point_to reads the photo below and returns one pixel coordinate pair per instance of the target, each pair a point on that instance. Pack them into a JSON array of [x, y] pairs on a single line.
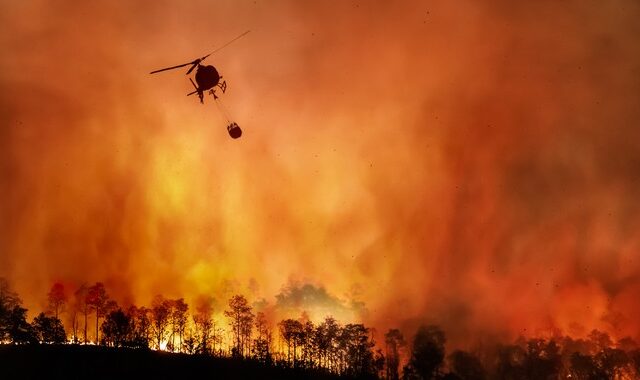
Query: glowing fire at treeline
[[345, 349], [472, 165]]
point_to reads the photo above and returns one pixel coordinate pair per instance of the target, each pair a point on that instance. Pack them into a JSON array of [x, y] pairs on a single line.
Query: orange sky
[[472, 164]]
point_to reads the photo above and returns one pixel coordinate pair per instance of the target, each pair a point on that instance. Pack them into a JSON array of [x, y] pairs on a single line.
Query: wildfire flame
[[471, 165]]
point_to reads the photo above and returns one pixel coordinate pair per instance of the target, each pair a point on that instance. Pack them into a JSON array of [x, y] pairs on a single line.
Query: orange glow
[[472, 165]]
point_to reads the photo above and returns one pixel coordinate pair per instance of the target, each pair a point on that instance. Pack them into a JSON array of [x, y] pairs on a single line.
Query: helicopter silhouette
[[208, 79]]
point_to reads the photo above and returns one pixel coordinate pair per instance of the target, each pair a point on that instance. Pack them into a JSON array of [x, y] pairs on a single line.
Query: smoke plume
[[472, 164]]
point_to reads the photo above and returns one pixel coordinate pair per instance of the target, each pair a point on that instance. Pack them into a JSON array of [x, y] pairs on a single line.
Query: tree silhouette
[[613, 362], [8, 301], [74, 309], [241, 321], [262, 344], [57, 298], [20, 331], [378, 364], [326, 342], [290, 330], [97, 300], [584, 367], [466, 366], [510, 362], [529, 359], [427, 353], [117, 328], [49, 329], [394, 342], [542, 359], [160, 312], [82, 295], [246, 331], [599, 340], [171, 325], [179, 318], [356, 346], [305, 340], [141, 326], [13, 317], [190, 343], [329, 347], [634, 358], [203, 319]]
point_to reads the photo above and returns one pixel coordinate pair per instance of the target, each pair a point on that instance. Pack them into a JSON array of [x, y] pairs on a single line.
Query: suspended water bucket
[[234, 130]]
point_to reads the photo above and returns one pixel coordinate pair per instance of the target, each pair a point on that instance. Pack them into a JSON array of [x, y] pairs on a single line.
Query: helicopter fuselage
[[207, 77]]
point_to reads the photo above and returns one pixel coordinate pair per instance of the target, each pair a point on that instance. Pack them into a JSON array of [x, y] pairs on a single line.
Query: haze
[[471, 164]]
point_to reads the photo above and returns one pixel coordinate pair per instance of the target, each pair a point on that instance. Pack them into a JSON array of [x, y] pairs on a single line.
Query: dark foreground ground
[[91, 362]]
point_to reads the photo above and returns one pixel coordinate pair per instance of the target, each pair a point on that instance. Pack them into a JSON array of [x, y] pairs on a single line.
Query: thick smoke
[[462, 163]]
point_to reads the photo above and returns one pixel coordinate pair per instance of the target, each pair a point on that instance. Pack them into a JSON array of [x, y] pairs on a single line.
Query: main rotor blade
[[225, 45], [173, 67], [196, 63]]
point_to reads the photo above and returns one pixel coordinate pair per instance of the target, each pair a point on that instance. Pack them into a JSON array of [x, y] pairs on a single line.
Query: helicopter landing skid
[[223, 86]]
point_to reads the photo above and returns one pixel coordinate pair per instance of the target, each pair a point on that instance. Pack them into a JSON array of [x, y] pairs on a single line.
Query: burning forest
[[463, 174], [326, 348]]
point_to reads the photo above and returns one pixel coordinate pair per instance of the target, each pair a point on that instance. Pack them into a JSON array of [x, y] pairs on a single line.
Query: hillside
[[96, 362]]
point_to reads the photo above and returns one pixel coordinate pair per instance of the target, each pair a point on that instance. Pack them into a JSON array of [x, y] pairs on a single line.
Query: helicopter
[[208, 79]]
